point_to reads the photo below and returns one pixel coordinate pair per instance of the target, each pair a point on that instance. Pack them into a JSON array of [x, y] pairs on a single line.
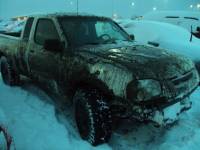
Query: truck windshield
[[81, 31]]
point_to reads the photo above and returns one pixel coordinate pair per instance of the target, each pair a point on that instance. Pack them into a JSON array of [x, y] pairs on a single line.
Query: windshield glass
[[86, 31]]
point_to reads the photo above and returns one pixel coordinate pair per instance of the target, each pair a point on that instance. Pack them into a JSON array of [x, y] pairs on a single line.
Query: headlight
[[147, 89]]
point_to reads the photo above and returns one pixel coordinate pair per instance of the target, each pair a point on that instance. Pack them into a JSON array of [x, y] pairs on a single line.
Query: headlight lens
[[147, 89]]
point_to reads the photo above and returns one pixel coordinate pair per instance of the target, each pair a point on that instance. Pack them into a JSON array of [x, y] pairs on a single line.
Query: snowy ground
[[36, 124]]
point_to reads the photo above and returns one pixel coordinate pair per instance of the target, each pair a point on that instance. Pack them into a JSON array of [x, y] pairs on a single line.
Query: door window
[[45, 30]]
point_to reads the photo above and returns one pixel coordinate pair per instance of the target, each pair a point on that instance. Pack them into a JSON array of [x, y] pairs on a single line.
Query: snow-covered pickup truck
[[176, 39], [97, 65]]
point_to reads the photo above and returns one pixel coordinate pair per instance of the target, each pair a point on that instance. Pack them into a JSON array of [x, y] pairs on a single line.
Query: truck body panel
[[135, 77]]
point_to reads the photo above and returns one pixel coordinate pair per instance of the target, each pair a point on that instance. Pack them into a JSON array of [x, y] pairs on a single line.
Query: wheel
[[93, 116], [9, 74]]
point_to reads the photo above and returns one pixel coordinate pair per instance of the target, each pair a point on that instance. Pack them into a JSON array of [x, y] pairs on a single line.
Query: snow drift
[[34, 123]]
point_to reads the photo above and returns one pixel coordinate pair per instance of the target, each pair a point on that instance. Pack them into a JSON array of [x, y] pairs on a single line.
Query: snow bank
[[31, 119], [33, 124]]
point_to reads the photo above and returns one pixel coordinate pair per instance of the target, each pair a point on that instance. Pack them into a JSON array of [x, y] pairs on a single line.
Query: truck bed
[[8, 42], [15, 34]]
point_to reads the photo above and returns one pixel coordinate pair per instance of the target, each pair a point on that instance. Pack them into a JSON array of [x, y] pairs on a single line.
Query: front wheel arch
[[92, 84]]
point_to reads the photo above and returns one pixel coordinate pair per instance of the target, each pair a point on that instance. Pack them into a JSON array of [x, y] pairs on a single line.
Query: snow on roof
[[80, 14], [163, 14], [189, 20]]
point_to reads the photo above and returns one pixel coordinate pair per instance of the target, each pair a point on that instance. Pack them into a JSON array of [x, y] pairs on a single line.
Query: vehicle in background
[[3, 25], [94, 64], [189, 20], [14, 25], [164, 35]]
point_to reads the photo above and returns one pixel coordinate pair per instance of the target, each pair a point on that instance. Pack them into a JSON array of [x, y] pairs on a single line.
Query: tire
[[9, 75], [93, 116]]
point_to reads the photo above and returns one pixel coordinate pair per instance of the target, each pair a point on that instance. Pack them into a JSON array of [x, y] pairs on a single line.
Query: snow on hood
[[142, 61]]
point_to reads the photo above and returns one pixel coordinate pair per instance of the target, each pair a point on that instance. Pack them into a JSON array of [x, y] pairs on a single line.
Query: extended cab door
[[23, 46], [44, 64]]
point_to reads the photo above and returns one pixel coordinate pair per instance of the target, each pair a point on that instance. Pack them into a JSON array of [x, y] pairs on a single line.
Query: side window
[[27, 29], [45, 30]]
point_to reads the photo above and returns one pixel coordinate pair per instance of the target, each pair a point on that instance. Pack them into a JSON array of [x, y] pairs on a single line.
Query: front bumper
[[175, 91], [178, 88], [170, 114]]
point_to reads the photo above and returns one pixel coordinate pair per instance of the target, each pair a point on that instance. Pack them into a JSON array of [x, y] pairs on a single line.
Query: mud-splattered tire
[[93, 116], [9, 75]]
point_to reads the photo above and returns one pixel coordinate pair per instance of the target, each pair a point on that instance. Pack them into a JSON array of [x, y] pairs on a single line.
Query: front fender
[[115, 77]]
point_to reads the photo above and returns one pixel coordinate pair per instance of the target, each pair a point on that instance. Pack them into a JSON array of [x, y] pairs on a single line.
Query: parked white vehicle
[[11, 25], [3, 25], [185, 19], [164, 35]]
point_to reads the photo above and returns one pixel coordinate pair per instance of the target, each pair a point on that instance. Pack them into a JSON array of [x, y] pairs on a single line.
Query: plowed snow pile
[[31, 119]]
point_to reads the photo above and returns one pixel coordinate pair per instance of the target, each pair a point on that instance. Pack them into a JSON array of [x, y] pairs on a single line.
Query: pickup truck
[[100, 68]]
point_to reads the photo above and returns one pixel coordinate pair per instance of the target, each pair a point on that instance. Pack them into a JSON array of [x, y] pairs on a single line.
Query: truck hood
[[144, 62]]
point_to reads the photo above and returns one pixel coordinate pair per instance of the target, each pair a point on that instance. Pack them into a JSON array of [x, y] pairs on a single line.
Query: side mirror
[[132, 37], [54, 45]]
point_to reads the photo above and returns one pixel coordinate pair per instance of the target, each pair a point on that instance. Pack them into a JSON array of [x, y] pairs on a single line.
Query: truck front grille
[[185, 77], [178, 87]]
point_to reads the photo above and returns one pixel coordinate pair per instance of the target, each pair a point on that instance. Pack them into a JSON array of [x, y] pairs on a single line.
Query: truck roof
[[67, 14]]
